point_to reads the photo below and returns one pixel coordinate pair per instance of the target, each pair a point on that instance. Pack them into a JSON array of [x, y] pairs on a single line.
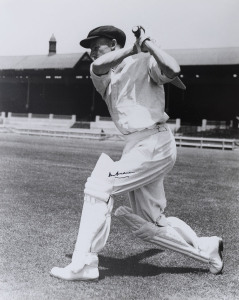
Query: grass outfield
[[40, 208]]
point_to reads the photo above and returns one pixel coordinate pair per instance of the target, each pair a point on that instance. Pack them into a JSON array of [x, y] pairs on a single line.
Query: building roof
[[185, 57], [211, 56], [56, 61]]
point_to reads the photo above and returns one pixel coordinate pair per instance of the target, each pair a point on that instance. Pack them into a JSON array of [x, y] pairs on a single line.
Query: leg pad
[[166, 237], [99, 185]]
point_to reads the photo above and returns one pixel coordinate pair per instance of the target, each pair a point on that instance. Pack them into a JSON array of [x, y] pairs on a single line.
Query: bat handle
[[137, 31]]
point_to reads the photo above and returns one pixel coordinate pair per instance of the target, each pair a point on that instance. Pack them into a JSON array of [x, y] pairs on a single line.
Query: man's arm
[[104, 63], [166, 63]]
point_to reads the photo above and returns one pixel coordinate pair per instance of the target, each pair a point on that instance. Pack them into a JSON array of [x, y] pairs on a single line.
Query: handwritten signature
[[117, 174]]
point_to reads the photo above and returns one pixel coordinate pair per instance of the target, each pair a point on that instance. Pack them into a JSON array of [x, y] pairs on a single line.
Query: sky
[[27, 25]]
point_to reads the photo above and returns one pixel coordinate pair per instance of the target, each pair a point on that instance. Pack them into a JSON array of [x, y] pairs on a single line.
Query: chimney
[[52, 45]]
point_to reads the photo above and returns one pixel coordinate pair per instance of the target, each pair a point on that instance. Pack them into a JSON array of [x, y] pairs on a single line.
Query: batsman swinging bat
[[137, 31]]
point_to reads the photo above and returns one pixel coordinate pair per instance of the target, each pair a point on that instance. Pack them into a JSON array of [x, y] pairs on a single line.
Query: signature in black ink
[[120, 174]]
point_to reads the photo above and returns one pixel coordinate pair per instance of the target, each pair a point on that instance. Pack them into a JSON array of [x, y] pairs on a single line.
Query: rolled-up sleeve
[[156, 73], [100, 82]]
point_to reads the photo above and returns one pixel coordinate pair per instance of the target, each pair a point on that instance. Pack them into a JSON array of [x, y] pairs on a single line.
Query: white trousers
[[147, 157]]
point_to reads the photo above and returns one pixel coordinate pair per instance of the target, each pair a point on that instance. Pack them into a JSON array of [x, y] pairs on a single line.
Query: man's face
[[99, 47]]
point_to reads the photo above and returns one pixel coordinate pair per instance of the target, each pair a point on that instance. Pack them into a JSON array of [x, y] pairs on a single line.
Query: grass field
[[42, 180]]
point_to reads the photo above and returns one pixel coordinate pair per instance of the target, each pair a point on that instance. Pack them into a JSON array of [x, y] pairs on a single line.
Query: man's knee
[[99, 185]]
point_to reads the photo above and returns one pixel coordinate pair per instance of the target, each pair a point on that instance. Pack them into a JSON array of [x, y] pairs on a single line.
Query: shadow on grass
[[131, 266]]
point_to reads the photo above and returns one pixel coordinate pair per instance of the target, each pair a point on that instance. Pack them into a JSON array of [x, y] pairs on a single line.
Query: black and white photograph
[[119, 150]]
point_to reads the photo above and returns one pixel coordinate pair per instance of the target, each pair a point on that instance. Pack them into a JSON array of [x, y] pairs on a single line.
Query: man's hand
[[166, 63], [141, 37]]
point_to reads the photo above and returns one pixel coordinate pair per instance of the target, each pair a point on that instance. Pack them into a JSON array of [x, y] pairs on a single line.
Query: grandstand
[[60, 84]]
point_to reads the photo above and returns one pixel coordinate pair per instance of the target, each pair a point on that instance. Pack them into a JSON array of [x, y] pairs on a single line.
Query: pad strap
[[100, 189]]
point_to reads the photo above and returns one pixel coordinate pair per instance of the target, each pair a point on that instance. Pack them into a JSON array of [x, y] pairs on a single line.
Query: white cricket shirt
[[134, 93]]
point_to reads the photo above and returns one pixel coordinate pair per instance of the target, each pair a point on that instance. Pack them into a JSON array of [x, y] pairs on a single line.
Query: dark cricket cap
[[107, 31]]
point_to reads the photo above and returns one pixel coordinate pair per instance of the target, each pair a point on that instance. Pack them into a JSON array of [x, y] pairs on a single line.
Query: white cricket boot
[[213, 246], [89, 272]]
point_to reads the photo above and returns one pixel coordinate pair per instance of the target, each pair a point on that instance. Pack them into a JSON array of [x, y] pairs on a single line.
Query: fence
[[223, 144], [16, 119], [210, 124], [105, 125]]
